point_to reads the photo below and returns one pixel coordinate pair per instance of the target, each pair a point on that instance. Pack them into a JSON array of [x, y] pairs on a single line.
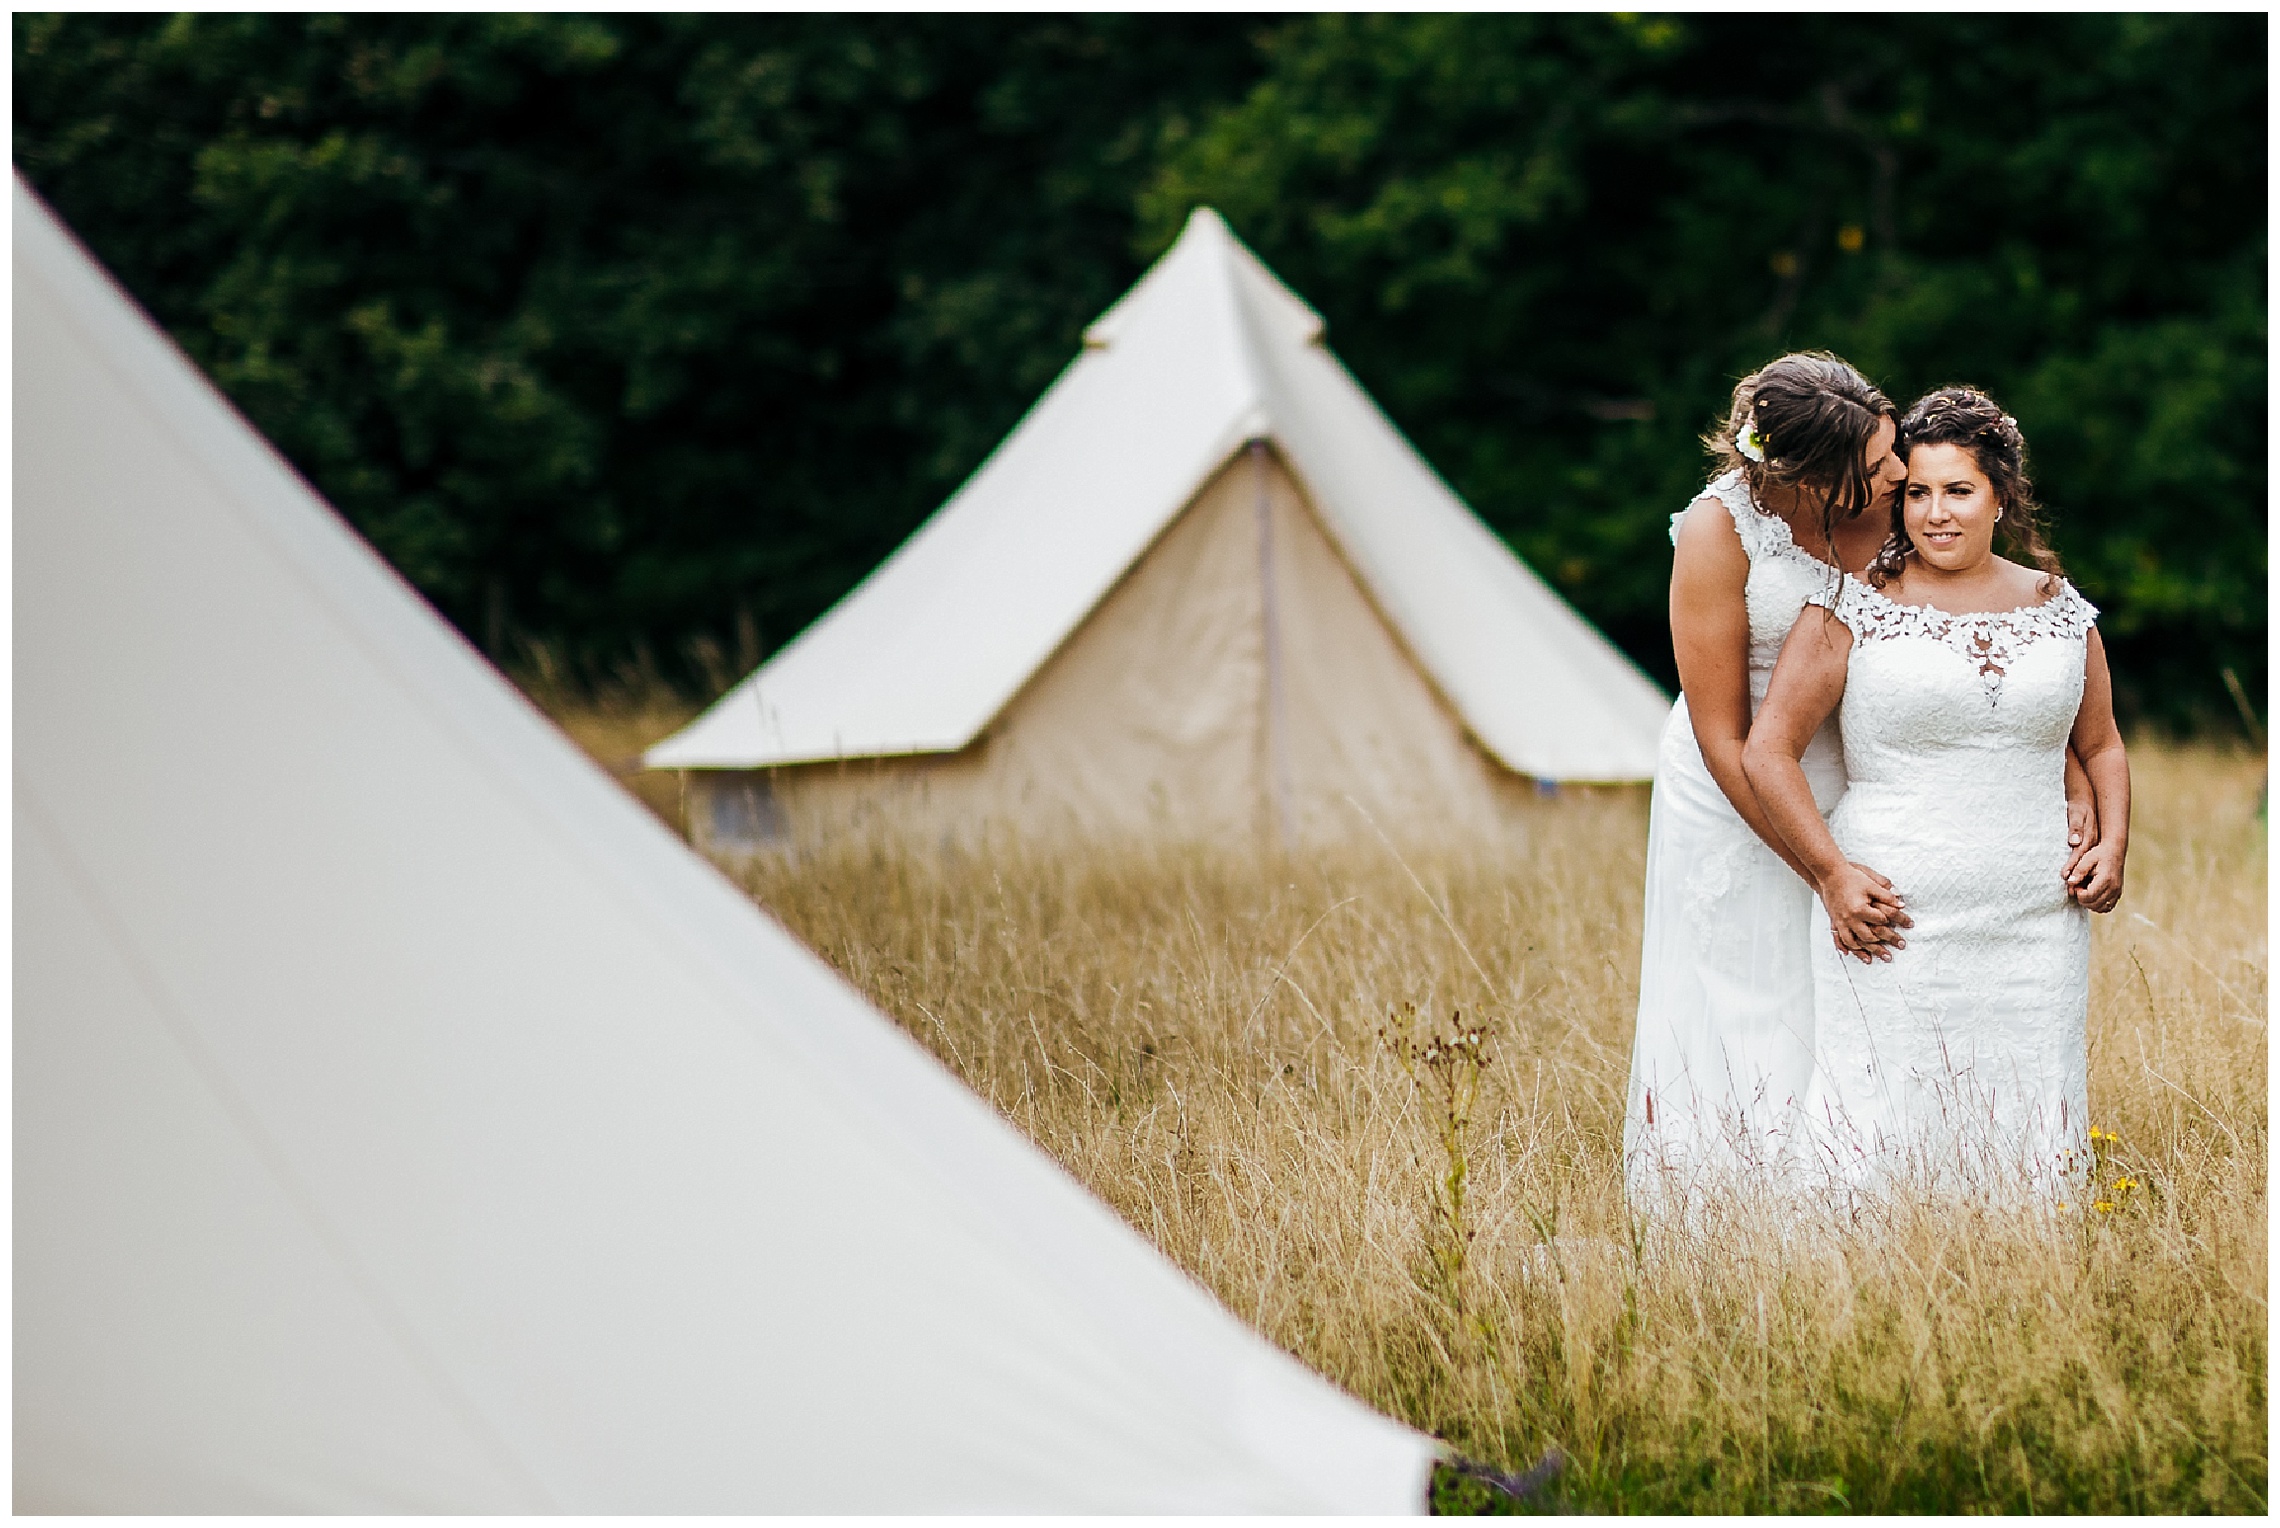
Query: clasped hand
[[2094, 877], [1865, 914]]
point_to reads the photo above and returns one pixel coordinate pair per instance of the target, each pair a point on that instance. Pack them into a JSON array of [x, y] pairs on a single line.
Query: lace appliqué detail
[[1709, 881], [1990, 641]]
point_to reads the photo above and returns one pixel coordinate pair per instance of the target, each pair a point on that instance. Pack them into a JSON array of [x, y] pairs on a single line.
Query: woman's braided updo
[[1813, 416], [1967, 417]]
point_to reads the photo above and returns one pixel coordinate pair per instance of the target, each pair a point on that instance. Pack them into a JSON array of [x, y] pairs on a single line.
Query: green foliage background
[[647, 336]]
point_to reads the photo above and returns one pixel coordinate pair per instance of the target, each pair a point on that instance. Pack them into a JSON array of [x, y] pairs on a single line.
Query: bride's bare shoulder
[[2025, 585], [1706, 525]]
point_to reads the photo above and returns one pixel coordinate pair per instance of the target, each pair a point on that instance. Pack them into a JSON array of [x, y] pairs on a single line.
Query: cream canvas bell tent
[[1205, 588], [405, 1121]]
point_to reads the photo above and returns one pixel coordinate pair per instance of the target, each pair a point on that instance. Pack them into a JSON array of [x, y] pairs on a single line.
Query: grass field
[[1203, 1038]]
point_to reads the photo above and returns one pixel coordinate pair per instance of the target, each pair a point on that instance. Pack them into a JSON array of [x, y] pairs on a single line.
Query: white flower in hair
[[1748, 441]]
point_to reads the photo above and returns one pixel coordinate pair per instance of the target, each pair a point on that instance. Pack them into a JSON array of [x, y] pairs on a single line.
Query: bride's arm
[[2081, 808], [1864, 913], [1710, 635], [2094, 877]]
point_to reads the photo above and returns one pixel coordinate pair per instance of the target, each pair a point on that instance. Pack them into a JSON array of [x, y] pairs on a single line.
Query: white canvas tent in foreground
[[405, 1122], [1205, 587]]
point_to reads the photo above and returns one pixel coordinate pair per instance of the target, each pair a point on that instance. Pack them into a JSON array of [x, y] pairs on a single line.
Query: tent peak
[[1206, 240]]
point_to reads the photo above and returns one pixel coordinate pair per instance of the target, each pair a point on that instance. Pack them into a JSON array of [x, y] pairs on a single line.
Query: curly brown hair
[[1815, 415], [1967, 417]]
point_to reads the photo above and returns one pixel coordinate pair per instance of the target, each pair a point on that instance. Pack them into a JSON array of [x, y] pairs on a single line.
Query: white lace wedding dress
[[1724, 1045], [1960, 1065]]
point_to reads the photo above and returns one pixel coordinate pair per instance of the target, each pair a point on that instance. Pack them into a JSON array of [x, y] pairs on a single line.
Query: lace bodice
[[1923, 685], [1783, 579]]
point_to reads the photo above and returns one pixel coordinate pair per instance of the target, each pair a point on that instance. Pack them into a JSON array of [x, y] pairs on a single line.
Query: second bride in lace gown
[[1724, 1045], [1958, 678]]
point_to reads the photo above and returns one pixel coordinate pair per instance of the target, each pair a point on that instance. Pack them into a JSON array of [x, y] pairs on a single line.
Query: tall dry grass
[[1197, 1034]]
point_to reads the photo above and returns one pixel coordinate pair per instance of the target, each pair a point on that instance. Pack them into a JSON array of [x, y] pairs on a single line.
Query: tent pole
[[1278, 733]]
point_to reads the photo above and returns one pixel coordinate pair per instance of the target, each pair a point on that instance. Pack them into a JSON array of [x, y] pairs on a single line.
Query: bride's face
[[1884, 469], [1949, 508]]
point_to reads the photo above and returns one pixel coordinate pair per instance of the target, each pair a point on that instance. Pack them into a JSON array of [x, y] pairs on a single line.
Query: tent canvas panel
[[1162, 716], [344, 1419], [1364, 719], [1152, 706], [254, 768]]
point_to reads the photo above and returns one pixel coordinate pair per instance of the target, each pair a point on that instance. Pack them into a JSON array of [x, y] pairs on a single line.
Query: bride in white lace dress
[[1724, 1046], [1958, 678]]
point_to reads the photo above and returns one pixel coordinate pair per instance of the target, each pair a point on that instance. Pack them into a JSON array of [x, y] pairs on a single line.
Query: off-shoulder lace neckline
[[1990, 639], [1929, 610]]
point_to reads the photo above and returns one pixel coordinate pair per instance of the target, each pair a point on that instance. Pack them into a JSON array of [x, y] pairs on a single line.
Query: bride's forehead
[[1943, 462]]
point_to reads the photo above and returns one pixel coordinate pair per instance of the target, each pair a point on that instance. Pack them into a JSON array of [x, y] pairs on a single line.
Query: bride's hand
[[2094, 878], [1865, 914], [2081, 818]]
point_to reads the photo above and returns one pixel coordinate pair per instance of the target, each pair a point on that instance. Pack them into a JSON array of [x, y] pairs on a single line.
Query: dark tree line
[[653, 334]]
